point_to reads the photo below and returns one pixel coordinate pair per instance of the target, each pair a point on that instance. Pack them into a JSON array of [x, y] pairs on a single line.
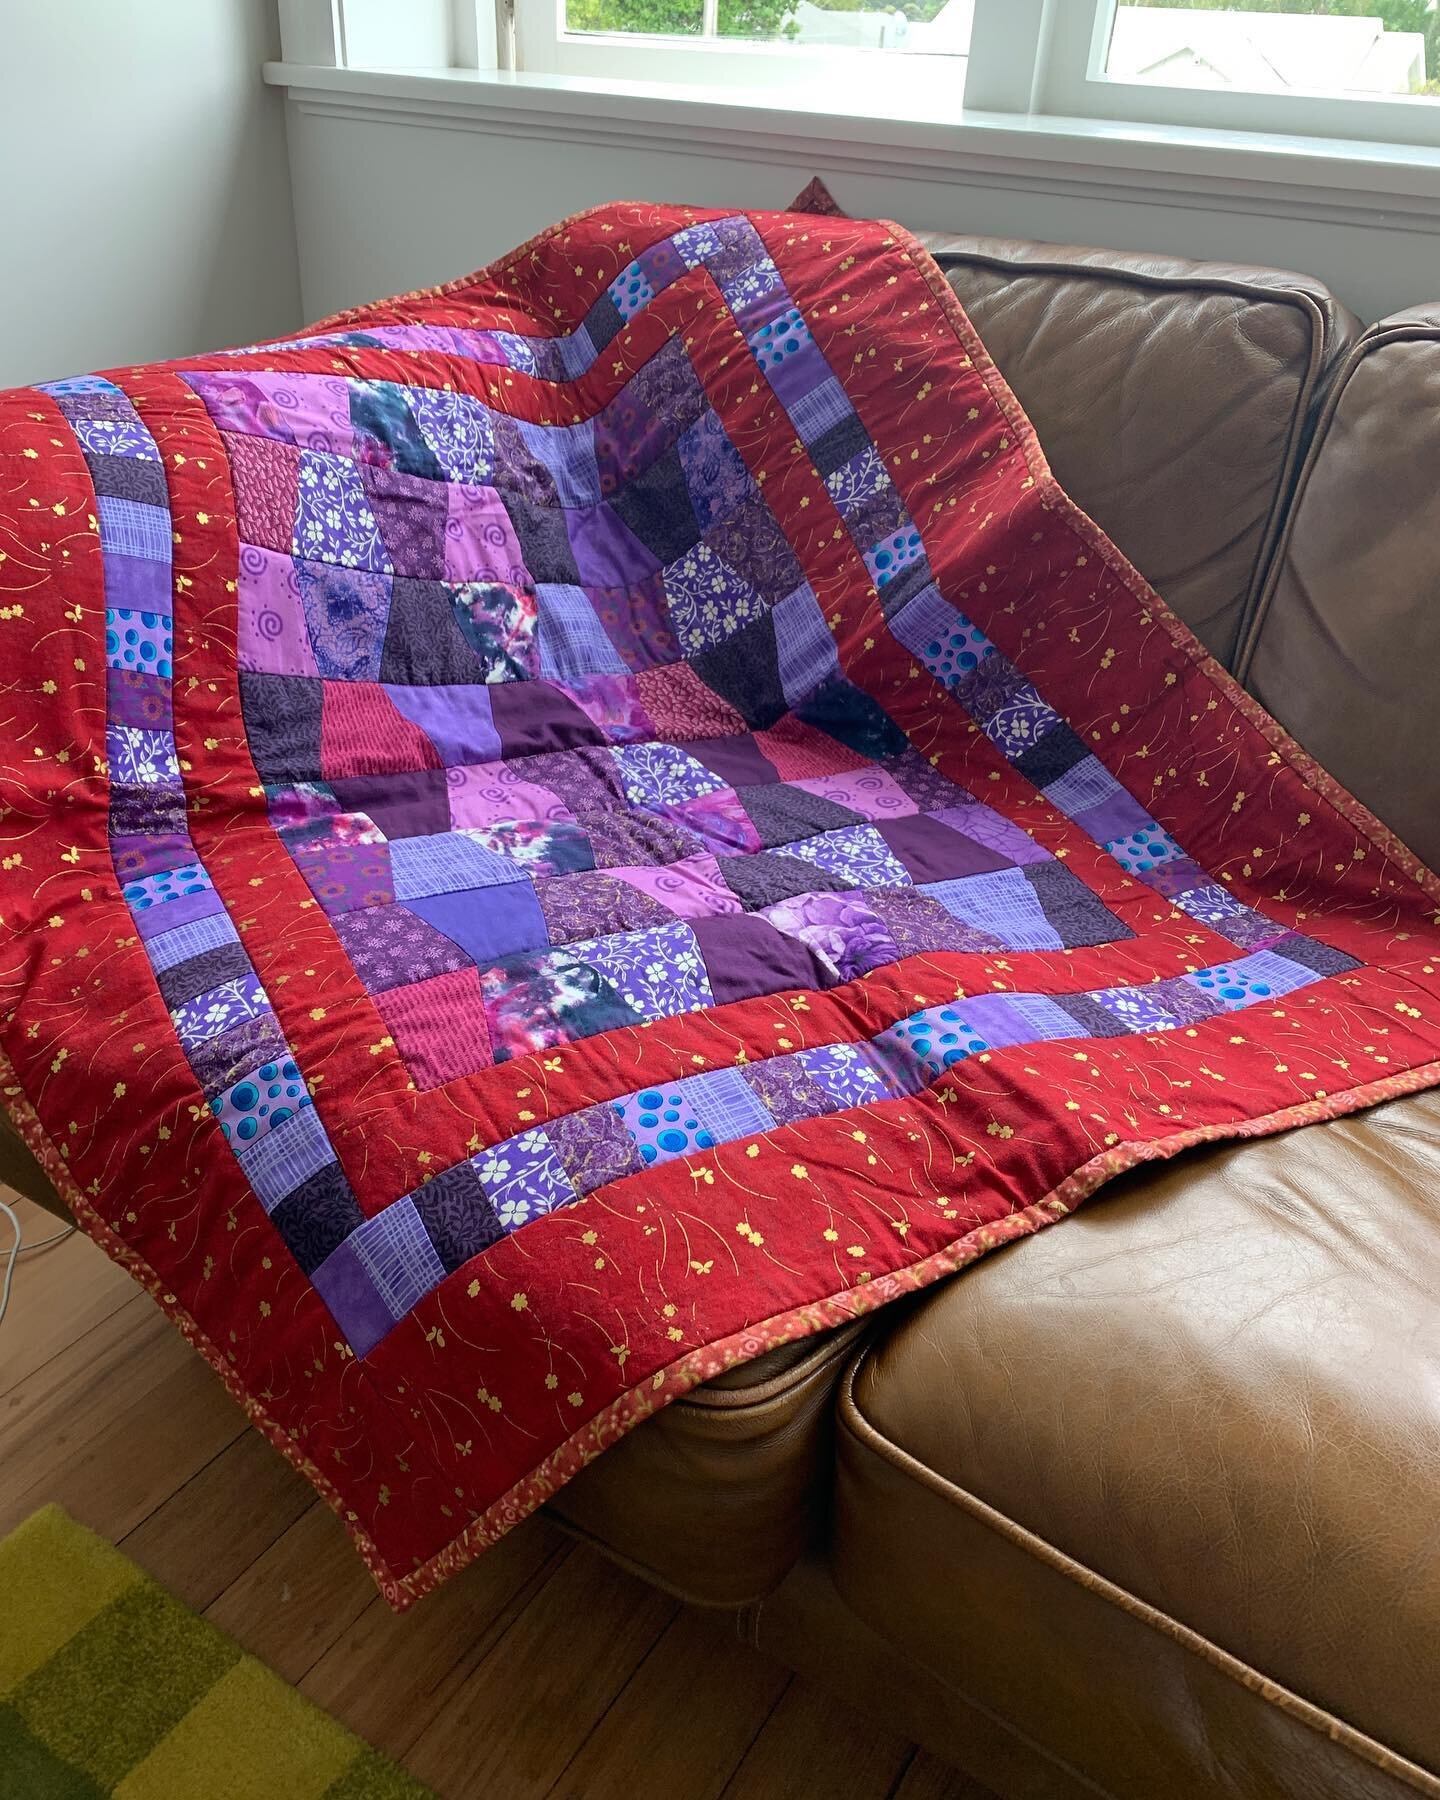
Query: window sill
[[1324, 178]]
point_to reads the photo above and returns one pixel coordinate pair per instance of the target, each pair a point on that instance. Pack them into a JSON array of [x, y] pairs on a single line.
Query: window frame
[[1073, 82], [1041, 59]]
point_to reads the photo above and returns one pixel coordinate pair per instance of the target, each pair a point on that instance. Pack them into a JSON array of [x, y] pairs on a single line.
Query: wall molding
[[1393, 187]]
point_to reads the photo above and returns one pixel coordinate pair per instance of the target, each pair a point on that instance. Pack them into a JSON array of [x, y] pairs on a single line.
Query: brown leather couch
[[1147, 1506]]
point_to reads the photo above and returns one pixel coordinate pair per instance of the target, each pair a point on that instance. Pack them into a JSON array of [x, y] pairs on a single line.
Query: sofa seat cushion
[[715, 1497], [1207, 1410]]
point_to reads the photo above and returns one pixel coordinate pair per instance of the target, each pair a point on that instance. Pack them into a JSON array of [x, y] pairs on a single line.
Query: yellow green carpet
[[108, 1685]]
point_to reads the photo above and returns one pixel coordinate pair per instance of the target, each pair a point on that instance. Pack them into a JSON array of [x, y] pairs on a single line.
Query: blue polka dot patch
[[259, 1102], [139, 641]]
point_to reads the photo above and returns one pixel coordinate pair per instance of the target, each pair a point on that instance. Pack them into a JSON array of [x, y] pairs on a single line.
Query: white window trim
[[1343, 183], [1029, 109]]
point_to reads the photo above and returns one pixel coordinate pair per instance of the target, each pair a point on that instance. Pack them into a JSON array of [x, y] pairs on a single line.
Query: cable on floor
[[21, 1248]]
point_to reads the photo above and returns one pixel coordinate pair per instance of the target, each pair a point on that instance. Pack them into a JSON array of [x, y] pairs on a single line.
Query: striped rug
[[109, 1686]]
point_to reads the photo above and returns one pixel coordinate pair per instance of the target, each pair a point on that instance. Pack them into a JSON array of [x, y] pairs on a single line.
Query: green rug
[[108, 1685]]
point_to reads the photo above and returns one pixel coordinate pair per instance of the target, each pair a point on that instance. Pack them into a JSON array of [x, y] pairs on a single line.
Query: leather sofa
[[1147, 1506]]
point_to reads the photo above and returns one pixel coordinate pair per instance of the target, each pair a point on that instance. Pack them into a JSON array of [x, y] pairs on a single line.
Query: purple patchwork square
[[348, 1289], [1116, 817], [715, 472], [1003, 904], [662, 264], [848, 1073], [391, 945], [137, 584], [995, 832], [799, 374], [858, 854], [1018, 1018], [345, 612], [708, 600], [412, 514], [659, 972], [396, 1253], [746, 955], [804, 645], [932, 851], [274, 636], [607, 553], [480, 542], [484, 925], [334, 522], [738, 760], [458, 1219], [524, 1178], [661, 774], [459, 720]]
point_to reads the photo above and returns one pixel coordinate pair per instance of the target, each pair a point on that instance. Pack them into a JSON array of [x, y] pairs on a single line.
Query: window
[[1367, 70], [1345, 48], [760, 42]]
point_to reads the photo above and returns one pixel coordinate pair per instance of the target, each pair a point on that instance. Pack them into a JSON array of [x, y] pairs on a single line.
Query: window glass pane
[[655, 18], [931, 27], [1356, 48]]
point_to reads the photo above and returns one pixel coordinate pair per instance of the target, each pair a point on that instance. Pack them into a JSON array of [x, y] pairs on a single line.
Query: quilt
[[562, 831]]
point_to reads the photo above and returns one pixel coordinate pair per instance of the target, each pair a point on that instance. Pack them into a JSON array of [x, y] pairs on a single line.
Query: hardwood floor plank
[[76, 1390], [683, 1722], [813, 1746], [530, 1704], [211, 1530], [116, 1474], [294, 1601], [388, 1675], [56, 1296]]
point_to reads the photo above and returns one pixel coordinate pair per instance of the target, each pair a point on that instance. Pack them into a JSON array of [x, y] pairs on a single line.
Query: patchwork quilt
[[565, 830]]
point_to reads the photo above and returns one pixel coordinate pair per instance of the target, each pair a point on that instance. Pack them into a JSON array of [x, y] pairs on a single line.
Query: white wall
[[384, 204], [144, 191]]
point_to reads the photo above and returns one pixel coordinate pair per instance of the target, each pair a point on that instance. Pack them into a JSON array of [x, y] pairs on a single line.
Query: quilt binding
[[676, 1379]]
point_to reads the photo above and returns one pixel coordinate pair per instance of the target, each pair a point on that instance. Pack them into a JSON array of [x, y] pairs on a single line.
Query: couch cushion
[[1171, 397], [1204, 1415], [1345, 649], [715, 1497]]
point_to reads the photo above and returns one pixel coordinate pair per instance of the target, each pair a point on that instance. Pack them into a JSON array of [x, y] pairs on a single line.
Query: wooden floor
[[542, 1670]]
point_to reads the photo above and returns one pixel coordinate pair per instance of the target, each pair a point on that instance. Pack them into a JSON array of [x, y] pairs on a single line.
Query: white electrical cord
[[21, 1248]]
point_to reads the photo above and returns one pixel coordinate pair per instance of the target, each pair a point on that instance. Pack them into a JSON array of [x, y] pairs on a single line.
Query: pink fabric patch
[[870, 792], [310, 410], [266, 478], [800, 752], [718, 820], [613, 703], [682, 707], [363, 732], [480, 541], [270, 619], [486, 792], [692, 888], [438, 1026]]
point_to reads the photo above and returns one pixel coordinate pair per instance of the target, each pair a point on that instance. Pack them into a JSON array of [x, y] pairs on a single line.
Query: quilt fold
[[561, 831]]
